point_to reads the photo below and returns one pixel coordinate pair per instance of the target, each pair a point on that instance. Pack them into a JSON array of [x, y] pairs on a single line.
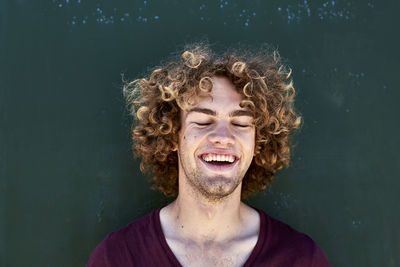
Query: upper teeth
[[215, 157]]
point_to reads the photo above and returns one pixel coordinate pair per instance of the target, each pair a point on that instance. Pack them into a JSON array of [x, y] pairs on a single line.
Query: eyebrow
[[235, 113]]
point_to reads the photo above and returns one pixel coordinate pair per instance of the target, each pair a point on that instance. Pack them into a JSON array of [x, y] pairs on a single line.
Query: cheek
[[248, 141], [188, 139], [194, 137], [191, 135], [247, 137]]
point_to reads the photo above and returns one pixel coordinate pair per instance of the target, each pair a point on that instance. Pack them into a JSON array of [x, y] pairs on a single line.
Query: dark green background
[[67, 174]]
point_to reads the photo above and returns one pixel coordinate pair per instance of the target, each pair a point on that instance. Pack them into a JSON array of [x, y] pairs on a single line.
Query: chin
[[218, 187]]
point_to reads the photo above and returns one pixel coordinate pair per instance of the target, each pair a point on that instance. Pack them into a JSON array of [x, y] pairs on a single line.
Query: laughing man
[[212, 130]]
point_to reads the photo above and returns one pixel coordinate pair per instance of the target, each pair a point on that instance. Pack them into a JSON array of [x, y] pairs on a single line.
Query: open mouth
[[218, 161]]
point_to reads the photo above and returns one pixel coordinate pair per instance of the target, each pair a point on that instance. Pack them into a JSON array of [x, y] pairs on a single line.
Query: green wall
[[67, 177]]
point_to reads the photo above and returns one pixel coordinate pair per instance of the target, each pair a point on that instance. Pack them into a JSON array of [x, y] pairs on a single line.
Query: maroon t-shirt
[[142, 243]]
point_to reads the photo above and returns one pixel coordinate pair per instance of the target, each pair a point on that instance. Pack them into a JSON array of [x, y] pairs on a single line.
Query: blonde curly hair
[[156, 101]]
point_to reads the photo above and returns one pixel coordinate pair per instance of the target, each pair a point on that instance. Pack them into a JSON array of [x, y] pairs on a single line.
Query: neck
[[203, 220]]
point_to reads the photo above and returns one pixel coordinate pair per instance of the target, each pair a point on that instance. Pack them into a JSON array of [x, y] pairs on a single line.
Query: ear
[[256, 151], [175, 148]]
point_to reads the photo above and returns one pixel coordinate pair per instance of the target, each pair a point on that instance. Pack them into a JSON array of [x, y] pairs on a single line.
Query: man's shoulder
[[284, 244], [281, 233], [136, 228], [120, 245]]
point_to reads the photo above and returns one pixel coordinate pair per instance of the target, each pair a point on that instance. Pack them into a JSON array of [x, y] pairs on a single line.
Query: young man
[[212, 130]]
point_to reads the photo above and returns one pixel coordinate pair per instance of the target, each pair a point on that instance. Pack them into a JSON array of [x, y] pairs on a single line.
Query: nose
[[222, 135]]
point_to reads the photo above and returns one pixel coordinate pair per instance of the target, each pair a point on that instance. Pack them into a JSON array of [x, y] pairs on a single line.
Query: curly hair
[[156, 101]]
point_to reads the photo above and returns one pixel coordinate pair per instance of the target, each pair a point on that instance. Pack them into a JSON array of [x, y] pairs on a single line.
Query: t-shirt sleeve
[[98, 257], [319, 258]]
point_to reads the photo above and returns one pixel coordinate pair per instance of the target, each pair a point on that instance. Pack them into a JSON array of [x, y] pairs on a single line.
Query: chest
[[194, 255]]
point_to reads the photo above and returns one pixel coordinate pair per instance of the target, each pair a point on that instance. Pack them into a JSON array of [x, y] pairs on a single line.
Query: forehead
[[224, 95]]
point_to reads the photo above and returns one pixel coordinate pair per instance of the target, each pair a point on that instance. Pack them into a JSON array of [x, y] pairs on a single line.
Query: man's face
[[216, 141]]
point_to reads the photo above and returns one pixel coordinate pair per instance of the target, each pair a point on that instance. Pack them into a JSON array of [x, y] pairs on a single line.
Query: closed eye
[[203, 124], [240, 125]]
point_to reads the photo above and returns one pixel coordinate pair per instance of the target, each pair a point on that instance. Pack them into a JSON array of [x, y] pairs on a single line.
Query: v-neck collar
[[256, 250]]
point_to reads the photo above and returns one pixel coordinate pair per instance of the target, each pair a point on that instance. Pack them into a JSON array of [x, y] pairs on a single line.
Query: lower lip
[[214, 167]]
